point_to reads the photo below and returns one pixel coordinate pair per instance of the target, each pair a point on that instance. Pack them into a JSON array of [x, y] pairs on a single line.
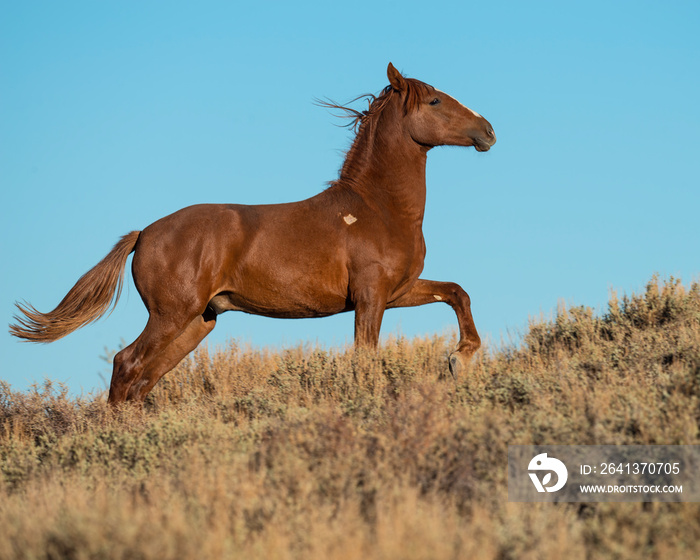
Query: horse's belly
[[290, 289], [282, 306]]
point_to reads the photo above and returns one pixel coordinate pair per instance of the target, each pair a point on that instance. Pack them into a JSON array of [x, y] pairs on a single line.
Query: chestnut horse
[[357, 246]]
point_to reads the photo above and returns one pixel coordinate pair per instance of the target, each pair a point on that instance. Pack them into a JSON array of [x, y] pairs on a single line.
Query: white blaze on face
[[437, 297], [472, 111], [349, 219]]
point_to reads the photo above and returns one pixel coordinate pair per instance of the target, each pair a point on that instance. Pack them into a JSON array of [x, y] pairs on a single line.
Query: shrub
[[316, 453]]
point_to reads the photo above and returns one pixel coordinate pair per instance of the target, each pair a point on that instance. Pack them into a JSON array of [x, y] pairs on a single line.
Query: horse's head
[[433, 118]]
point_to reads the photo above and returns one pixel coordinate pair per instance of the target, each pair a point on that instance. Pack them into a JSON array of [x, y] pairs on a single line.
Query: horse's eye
[[434, 101]]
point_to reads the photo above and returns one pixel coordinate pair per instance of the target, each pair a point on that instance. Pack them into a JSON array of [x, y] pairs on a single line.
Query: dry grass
[[309, 453]]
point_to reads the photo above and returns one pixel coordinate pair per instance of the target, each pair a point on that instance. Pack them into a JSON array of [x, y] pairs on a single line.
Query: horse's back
[[289, 256]]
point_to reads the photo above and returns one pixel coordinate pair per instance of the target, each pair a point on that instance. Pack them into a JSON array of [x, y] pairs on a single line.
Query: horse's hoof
[[457, 364]]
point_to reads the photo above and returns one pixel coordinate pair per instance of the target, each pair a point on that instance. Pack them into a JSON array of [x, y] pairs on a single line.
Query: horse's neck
[[388, 170]]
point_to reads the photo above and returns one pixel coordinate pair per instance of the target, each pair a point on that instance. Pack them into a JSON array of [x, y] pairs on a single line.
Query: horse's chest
[[405, 255], [410, 247]]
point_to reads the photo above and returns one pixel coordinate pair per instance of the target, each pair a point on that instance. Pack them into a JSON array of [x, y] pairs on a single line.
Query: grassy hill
[[312, 453]]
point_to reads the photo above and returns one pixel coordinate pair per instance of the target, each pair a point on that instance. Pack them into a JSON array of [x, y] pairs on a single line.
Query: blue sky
[[114, 114]]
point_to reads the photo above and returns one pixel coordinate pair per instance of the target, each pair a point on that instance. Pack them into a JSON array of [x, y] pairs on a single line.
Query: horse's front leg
[[429, 291], [369, 311]]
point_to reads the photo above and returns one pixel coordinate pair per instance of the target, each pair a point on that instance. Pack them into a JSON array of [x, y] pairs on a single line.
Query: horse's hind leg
[[132, 365], [172, 355], [429, 291]]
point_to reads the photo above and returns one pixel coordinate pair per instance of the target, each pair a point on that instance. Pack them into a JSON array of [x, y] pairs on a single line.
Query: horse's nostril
[[491, 135]]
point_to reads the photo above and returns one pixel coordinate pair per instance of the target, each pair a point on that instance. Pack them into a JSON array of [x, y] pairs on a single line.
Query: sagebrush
[[316, 453]]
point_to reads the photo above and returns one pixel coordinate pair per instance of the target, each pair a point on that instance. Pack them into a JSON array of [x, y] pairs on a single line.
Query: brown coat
[[357, 246]]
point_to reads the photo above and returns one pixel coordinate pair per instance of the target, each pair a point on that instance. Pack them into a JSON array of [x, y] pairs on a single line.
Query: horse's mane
[[363, 122], [377, 103]]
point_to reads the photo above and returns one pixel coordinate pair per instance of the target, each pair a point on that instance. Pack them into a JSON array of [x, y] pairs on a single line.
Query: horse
[[356, 246]]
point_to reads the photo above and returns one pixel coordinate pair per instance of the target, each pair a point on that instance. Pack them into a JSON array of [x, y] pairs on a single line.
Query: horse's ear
[[396, 80]]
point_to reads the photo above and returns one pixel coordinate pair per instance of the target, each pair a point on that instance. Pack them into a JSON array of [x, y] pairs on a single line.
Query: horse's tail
[[86, 302]]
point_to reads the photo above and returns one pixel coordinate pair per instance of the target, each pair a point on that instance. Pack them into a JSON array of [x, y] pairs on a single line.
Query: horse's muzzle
[[483, 144]]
